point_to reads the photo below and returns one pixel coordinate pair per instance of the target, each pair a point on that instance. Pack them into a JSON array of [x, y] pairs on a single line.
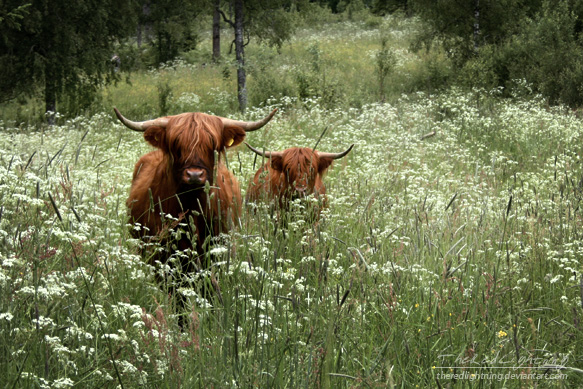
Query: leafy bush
[[507, 41], [267, 78], [385, 62], [313, 15], [314, 78], [164, 96], [549, 54]]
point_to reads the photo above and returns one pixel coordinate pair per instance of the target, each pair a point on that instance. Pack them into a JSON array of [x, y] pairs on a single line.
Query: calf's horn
[[336, 155], [266, 154]]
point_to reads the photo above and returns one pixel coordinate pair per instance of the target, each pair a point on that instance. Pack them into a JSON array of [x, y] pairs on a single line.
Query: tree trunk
[[50, 95], [476, 24], [139, 35], [240, 54], [217, 32], [144, 25]]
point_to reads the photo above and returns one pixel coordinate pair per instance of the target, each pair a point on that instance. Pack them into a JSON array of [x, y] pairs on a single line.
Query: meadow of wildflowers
[[457, 253]]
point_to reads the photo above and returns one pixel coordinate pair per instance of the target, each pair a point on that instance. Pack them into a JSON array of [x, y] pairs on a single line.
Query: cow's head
[[300, 166], [191, 139]]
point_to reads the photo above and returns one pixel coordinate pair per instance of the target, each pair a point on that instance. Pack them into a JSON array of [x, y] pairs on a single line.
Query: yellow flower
[[416, 305], [502, 334]]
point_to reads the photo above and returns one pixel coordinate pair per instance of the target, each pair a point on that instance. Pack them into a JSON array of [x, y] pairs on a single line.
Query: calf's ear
[[156, 136], [232, 136], [276, 162], [323, 164]]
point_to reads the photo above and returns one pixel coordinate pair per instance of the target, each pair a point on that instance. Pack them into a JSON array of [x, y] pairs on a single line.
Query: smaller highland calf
[[291, 174]]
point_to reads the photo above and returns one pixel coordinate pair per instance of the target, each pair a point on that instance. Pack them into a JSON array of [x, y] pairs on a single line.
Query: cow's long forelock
[[196, 136], [298, 161]]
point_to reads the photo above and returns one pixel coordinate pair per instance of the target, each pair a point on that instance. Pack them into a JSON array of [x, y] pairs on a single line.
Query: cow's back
[[151, 185]]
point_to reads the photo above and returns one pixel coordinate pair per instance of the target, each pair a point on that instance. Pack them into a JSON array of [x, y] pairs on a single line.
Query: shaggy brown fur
[[171, 180], [296, 173]]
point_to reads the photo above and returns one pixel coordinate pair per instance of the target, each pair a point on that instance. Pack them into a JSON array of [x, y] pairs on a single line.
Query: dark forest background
[[61, 54]]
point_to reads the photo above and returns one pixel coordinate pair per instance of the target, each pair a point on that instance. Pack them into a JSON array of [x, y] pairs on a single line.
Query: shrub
[[548, 54], [267, 77]]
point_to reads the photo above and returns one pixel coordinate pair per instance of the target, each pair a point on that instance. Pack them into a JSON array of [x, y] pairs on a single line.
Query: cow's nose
[[195, 177]]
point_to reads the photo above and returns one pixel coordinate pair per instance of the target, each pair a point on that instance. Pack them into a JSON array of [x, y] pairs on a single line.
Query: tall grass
[[458, 253], [336, 62]]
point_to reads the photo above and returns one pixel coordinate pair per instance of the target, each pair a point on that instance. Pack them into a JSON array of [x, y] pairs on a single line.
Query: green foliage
[[266, 81], [11, 83], [335, 62], [313, 15], [503, 41], [61, 49], [10, 19], [385, 64], [495, 21], [164, 95], [271, 24], [314, 79], [385, 7], [481, 71], [548, 53], [354, 9], [467, 243], [134, 58], [169, 28]]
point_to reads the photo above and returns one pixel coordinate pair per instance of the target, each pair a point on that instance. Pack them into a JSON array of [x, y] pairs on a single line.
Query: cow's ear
[[156, 136], [324, 164], [232, 136], [276, 163]]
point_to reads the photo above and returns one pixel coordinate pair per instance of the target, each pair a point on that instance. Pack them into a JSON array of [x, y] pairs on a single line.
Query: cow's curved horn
[[266, 154], [336, 155], [140, 126], [248, 126]]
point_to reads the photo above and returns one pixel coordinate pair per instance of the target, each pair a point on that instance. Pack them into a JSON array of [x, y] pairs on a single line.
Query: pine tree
[[168, 26], [60, 47]]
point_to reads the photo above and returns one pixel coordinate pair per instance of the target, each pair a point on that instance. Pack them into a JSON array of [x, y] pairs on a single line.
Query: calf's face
[[300, 168]]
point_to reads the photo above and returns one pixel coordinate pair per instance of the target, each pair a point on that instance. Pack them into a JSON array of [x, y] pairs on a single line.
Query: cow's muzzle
[[195, 176]]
